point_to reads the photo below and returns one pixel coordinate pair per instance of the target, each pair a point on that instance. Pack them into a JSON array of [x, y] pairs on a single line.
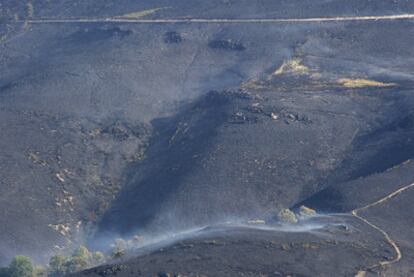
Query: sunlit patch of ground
[[294, 74], [293, 66], [140, 14], [362, 83]]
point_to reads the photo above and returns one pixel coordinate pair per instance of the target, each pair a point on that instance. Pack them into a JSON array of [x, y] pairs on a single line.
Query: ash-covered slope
[[237, 251], [76, 102], [339, 109], [249, 152], [192, 123], [332, 133]]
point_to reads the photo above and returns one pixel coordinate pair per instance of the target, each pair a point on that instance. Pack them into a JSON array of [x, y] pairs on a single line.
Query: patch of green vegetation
[[81, 259], [287, 216], [118, 248], [60, 265], [56, 264], [20, 266]]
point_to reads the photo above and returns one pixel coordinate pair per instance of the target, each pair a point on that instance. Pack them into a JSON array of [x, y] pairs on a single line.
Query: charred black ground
[[112, 129]]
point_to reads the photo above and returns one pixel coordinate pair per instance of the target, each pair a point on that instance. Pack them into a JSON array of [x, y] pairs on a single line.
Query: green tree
[[21, 266], [83, 253], [57, 265], [287, 216], [81, 259], [98, 258]]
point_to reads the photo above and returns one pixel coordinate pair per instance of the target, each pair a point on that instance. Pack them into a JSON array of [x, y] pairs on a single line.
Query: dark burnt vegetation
[[227, 44], [172, 37]]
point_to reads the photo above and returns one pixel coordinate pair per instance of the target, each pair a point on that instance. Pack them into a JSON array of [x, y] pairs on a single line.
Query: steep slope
[[76, 102], [154, 128], [336, 132], [309, 123], [235, 251], [232, 154]]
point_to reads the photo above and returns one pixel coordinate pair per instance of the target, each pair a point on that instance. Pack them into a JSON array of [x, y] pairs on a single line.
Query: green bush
[[57, 265], [118, 249], [287, 216], [98, 258], [21, 266], [81, 259], [83, 253]]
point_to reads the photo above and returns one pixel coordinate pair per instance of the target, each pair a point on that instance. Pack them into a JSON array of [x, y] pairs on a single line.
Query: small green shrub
[[81, 259], [118, 248], [83, 253], [287, 216], [21, 266], [57, 265], [98, 258]]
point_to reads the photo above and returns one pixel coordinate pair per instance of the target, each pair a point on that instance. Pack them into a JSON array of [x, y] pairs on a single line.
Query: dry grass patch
[[362, 83], [140, 14], [293, 66]]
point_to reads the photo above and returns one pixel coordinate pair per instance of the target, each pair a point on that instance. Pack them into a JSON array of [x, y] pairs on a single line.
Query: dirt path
[[398, 253], [221, 21]]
